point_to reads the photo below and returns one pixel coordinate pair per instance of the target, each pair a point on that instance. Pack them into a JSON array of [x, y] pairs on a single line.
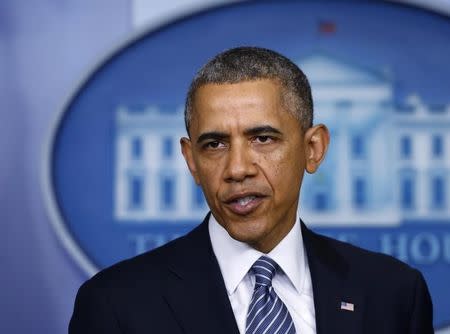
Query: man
[[252, 266]]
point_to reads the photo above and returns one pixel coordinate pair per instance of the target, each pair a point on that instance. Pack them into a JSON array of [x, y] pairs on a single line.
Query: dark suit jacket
[[178, 288]]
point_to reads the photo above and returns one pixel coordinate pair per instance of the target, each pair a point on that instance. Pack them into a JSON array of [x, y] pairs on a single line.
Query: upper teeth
[[245, 200]]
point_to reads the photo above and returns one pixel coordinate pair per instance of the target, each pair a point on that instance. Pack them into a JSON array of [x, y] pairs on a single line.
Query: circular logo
[[118, 185]]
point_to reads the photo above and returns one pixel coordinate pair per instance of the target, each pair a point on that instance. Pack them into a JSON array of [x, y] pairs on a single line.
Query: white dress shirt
[[292, 284]]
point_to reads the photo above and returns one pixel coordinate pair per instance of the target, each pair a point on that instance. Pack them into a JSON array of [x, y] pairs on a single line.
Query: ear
[[317, 139], [186, 149]]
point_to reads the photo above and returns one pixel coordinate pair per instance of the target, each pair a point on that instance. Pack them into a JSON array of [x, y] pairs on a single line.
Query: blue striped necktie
[[267, 313]]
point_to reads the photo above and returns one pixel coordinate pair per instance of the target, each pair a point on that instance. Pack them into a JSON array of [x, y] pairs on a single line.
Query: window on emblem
[[136, 148], [321, 201], [167, 147], [438, 192], [407, 193], [359, 193], [437, 146], [358, 147], [136, 192], [405, 147], [168, 192]]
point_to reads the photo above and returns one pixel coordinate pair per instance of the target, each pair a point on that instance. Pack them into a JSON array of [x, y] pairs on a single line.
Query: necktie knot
[[264, 269]]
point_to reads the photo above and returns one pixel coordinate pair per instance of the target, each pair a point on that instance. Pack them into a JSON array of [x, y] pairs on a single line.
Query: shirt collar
[[235, 258]]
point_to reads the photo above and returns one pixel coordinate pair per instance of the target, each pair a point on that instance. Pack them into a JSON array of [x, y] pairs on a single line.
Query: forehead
[[270, 89], [248, 101]]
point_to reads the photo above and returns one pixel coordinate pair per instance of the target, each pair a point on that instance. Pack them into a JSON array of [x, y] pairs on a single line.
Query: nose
[[240, 163]]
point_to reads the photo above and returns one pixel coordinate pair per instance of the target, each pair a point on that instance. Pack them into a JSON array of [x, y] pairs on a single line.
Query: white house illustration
[[386, 163], [151, 178]]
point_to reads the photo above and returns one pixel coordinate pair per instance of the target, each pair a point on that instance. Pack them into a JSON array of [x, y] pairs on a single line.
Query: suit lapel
[[196, 291], [331, 287]]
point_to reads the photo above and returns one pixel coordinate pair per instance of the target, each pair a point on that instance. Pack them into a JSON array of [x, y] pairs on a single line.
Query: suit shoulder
[[131, 289], [146, 267]]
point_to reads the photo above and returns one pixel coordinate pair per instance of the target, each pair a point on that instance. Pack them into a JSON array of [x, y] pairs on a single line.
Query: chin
[[246, 232]]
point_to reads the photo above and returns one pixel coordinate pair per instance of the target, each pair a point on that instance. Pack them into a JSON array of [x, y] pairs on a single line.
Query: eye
[[263, 139], [213, 145]]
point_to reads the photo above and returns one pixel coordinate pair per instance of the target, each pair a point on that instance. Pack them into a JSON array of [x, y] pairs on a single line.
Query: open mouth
[[244, 204], [245, 200]]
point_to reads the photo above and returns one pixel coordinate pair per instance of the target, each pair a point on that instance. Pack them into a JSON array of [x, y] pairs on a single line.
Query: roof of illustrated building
[[325, 69]]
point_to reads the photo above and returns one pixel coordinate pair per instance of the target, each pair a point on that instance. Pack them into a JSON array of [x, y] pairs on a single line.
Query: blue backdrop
[[100, 183]]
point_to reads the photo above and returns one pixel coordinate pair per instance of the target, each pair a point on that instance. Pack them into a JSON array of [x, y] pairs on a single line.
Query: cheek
[[282, 161], [283, 169], [209, 178], [274, 166]]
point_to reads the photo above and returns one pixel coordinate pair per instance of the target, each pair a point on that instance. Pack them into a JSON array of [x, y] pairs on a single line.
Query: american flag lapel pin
[[347, 306]]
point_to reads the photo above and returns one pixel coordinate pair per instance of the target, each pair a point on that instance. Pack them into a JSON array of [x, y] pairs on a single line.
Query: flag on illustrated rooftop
[[327, 27]]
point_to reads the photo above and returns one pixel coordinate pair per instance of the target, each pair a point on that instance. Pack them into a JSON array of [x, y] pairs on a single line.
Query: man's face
[[248, 154]]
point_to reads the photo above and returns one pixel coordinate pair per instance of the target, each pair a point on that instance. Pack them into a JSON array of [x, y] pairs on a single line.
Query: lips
[[244, 203]]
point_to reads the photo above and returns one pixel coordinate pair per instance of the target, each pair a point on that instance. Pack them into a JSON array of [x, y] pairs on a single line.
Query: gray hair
[[253, 63]]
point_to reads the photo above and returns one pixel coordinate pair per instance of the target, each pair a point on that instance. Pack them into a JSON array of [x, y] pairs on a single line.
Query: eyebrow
[[217, 135], [261, 129]]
